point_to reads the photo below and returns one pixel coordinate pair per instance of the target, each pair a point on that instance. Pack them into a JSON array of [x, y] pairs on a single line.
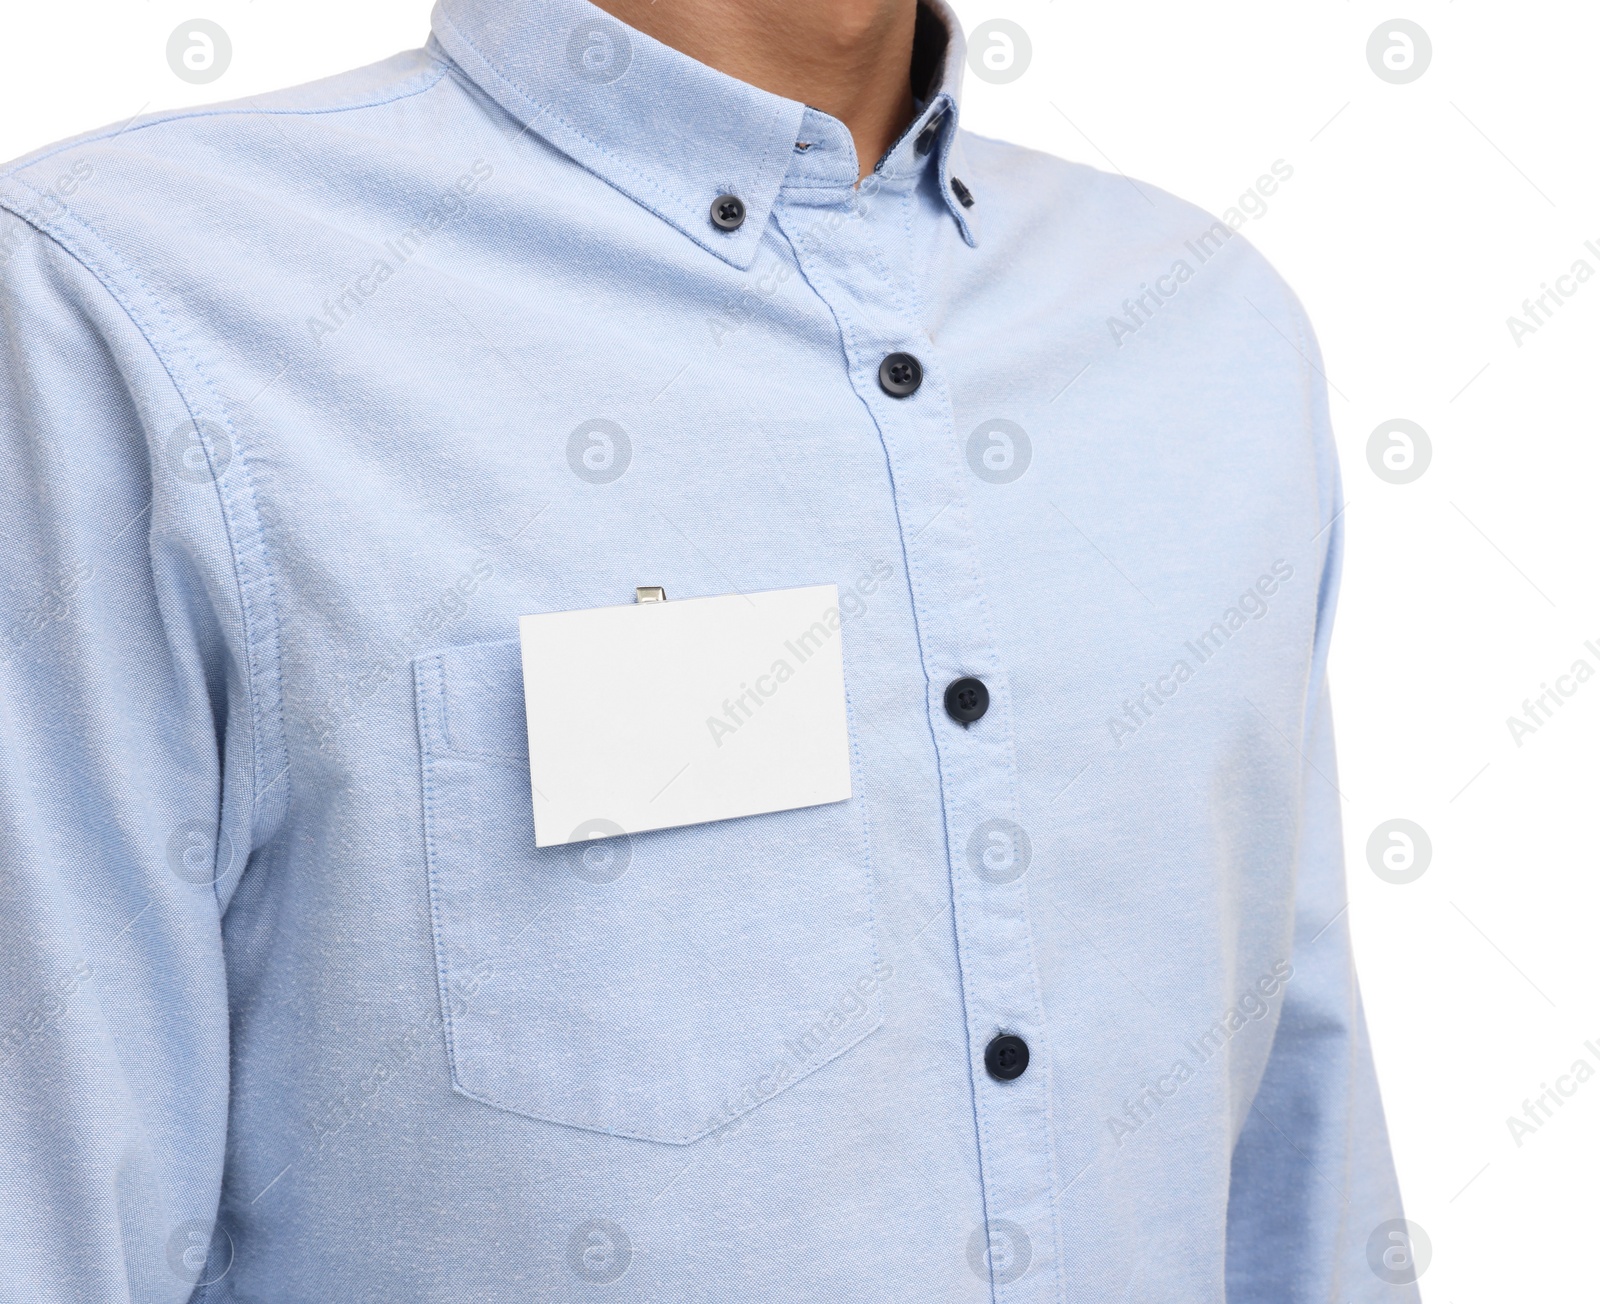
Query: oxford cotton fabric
[[304, 400]]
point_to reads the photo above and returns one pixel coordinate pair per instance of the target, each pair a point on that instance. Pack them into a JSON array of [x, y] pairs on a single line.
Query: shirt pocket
[[656, 985]]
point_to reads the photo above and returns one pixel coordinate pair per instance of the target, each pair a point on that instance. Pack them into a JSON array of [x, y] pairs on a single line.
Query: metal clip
[[649, 593]]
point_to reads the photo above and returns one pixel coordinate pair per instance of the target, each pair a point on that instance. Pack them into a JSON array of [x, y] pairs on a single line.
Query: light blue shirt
[[304, 400]]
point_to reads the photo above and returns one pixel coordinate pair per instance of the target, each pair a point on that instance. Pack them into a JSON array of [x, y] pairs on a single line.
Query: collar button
[[727, 212]]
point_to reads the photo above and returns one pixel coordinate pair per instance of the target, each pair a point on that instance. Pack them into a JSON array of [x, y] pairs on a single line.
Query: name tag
[[660, 714]]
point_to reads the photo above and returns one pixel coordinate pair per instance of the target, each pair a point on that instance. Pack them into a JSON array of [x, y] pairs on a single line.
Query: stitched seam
[[523, 1111], [1023, 907], [430, 679], [888, 183], [425, 684], [1302, 330], [952, 205], [541, 111], [231, 529], [836, 186], [666, 206], [766, 155], [447, 743], [907, 208], [430, 79], [959, 894], [868, 865], [516, 758], [849, 344]]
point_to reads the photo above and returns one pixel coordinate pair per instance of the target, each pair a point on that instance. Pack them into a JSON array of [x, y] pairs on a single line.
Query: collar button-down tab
[[727, 212]]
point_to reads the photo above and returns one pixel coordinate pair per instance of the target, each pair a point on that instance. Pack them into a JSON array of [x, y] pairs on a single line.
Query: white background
[[1418, 219]]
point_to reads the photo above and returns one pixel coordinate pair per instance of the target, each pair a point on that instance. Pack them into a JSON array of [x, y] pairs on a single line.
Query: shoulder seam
[[261, 634], [417, 84]]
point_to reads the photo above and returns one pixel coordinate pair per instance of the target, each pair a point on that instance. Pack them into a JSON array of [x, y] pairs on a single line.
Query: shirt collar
[[668, 131]]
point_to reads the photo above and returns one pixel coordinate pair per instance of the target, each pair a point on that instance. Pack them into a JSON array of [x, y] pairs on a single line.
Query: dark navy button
[[961, 192], [1006, 1057], [966, 700], [929, 134], [900, 374], [727, 211]]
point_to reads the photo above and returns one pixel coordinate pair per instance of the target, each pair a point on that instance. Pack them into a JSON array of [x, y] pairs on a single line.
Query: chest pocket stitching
[[432, 688], [447, 735]]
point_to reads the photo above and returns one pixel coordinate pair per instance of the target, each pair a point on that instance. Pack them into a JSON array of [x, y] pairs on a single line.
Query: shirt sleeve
[[1313, 1183], [129, 792]]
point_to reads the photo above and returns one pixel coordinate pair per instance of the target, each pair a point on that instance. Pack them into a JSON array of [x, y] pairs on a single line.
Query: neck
[[849, 58]]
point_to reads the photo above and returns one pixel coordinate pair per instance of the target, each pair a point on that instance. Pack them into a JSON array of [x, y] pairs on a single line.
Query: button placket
[[977, 766]]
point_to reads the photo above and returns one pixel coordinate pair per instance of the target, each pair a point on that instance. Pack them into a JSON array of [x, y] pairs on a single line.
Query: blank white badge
[[659, 714]]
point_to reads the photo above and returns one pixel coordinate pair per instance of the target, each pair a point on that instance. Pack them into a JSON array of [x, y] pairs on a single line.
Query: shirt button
[[900, 375], [966, 700], [1006, 1057], [929, 134], [961, 192], [727, 212]]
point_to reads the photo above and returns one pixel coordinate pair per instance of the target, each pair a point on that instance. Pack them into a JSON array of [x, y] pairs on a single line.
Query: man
[[306, 401]]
